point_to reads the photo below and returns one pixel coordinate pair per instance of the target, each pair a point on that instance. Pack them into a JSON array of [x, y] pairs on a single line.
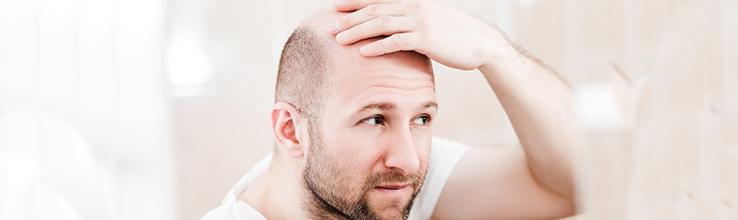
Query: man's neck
[[277, 193]]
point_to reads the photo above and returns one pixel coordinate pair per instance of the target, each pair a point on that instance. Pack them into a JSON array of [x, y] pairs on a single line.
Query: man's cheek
[[359, 142]]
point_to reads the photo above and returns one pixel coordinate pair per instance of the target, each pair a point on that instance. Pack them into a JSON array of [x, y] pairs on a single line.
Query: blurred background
[[153, 109]]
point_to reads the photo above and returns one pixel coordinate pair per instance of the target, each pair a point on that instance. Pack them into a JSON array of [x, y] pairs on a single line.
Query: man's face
[[369, 151]]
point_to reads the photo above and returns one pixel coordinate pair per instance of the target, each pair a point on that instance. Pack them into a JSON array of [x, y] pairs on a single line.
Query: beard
[[330, 195]]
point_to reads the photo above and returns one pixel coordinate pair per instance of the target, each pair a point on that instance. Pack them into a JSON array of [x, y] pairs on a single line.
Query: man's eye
[[374, 120], [422, 120]]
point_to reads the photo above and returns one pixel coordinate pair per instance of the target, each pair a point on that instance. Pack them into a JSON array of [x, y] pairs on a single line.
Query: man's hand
[[440, 32]]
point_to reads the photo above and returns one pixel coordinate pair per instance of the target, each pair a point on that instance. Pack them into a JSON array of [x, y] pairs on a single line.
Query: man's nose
[[402, 153]]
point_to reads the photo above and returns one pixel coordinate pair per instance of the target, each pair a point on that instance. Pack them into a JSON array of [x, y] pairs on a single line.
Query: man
[[355, 102]]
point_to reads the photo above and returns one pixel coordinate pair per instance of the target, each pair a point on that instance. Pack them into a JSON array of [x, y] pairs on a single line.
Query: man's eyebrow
[[430, 104], [378, 106], [388, 105]]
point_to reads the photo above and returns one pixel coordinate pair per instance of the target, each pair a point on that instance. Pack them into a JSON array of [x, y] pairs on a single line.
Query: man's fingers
[[367, 13], [386, 25], [393, 43], [353, 5]]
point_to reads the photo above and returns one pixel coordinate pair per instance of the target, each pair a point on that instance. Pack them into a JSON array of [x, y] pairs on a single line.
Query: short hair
[[301, 72]]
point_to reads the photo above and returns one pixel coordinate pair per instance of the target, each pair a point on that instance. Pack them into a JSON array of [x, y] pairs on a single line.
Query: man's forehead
[[388, 81]]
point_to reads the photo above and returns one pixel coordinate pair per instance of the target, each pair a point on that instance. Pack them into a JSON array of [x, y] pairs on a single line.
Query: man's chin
[[390, 204], [393, 212]]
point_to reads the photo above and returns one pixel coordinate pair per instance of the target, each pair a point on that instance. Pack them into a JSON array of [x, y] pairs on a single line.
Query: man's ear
[[284, 123]]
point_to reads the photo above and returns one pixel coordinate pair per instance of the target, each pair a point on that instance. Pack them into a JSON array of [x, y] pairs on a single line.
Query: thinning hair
[[301, 77]]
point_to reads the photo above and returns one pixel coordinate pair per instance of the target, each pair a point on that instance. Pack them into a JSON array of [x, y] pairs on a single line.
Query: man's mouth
[[392, 187]]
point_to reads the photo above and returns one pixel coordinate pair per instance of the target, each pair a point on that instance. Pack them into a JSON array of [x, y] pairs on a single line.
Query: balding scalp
[[301, 73]]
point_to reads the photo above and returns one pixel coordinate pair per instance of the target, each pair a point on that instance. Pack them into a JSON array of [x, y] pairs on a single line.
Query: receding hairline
[[315, 40], [302, 66]]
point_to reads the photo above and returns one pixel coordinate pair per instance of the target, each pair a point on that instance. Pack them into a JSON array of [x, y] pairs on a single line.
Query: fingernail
[[339, 37], [365, 51]]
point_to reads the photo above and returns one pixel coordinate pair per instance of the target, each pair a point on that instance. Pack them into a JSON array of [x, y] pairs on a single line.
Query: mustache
[[395, 176]]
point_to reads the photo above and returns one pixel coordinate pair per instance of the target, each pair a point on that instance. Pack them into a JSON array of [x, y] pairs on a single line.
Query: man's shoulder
[[233, 210], [231, 207], [441, 146], [214, 214]]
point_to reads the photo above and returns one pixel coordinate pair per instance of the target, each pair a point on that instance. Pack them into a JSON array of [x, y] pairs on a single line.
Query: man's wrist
[[500, 54]]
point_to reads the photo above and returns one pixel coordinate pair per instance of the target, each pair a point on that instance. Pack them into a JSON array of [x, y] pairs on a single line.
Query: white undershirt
[[444, 155]]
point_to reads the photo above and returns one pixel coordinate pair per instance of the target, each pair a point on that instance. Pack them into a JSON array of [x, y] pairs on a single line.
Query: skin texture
[[530, 182]]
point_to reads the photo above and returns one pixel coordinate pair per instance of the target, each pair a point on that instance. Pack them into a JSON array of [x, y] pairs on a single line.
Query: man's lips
[[392, 186]]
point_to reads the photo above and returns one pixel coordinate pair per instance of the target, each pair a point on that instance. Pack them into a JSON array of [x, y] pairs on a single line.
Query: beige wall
[[674, 158]]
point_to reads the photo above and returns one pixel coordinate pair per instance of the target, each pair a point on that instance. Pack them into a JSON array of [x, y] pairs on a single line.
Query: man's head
[[358, 128]]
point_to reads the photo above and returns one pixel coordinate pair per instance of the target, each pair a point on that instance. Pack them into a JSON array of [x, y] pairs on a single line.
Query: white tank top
[[444, 155]]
